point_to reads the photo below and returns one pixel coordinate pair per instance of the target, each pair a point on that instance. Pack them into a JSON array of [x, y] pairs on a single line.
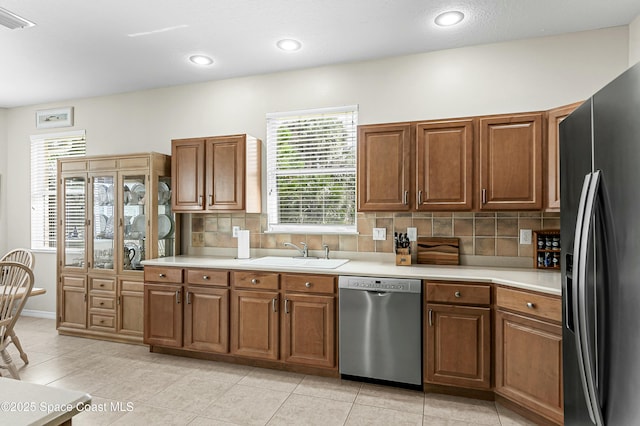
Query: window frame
[[44, 169], [274, 225]]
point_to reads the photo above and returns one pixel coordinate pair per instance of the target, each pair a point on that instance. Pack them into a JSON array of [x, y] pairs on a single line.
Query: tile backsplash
[[480, 234]]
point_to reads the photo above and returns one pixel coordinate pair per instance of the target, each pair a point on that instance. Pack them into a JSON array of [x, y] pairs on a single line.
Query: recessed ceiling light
[[289, 44], [447, 19], [201, 60]]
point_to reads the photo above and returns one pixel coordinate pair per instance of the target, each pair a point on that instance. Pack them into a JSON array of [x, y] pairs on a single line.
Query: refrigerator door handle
[[585, 360]]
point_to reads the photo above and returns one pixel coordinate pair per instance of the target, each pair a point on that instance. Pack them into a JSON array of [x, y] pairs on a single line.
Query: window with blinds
[[311, 170], [45, 150]]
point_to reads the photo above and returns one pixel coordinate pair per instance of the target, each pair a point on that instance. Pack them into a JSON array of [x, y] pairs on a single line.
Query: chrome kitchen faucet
[[304, 251]]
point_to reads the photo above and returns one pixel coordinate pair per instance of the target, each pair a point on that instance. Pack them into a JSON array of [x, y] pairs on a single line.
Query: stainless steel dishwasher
[[381, 330]]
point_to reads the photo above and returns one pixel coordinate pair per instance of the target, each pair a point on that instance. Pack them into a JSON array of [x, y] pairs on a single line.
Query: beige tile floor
[[136, 387]]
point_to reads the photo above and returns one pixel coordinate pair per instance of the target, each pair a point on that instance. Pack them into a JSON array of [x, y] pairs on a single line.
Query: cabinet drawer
[[459, 293], [102, 321], [100, 302], [207, 276], [128, 285], [309, 283], [548, 307], [158, 274], [250, 279], [102, 284]]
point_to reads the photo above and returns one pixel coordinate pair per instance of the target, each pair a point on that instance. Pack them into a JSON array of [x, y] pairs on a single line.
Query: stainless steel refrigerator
[[600, 238]]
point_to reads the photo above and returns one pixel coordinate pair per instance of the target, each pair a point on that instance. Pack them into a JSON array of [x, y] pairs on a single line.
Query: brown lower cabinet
[[528, 352], [458, 334], [255, 324], [288, 318]]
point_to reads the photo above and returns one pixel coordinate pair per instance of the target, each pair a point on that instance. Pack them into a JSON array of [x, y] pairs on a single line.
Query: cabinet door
[[73, 227], [206, 319], [163, 315], [444, 165], [383, 170], [254, 324], [225, 162], [529, 363], [130, 308], [458, 346], [552, 161], [511, 162], [73, 302], [187, 174], [308, 331]]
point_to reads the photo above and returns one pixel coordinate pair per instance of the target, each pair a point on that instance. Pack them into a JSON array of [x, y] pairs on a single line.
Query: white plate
[[100, 222], [164, 226], [137, 193], [164, 194], [139, 224], [100, 194]]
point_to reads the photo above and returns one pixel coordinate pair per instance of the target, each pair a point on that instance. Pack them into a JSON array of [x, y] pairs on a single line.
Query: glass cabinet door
[[103, 207], [166, 219], [134, 221], [74, 220]]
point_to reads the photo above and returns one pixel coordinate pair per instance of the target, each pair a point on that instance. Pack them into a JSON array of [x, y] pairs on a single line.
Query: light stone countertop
[[527, 279]]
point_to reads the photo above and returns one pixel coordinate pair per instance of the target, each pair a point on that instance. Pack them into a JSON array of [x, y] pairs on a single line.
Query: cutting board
[[439, 250]]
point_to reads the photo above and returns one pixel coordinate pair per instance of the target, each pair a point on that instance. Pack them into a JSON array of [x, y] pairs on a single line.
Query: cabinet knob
[[307, 285], [255, 281], [457, 294], [161, 275], [101, 303], [530, 305], [205, 277], [101, 285]]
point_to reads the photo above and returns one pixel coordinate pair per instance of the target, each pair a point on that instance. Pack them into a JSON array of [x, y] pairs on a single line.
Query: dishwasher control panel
[[401, 285]]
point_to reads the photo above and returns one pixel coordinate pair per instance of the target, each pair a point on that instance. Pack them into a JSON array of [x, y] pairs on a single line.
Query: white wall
[[523, 75], [3, 179], [634, 41]]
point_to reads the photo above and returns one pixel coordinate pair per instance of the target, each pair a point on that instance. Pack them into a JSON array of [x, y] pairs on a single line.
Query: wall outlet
[[525, 236], [412, 234], [379, 234], [235, 231]]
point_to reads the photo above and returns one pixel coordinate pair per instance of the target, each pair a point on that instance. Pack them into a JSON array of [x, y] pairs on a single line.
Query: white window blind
[[311, 170], [45, 150]]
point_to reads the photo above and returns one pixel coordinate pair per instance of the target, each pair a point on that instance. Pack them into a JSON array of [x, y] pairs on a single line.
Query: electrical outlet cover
[[379, 234], [525, 236], [235, 229], [412, 234]]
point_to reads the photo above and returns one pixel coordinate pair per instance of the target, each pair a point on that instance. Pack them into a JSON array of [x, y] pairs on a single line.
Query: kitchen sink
[[297, 262]]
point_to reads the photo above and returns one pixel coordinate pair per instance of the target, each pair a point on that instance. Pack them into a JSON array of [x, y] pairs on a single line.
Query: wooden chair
[[16, 282], [26, 258]]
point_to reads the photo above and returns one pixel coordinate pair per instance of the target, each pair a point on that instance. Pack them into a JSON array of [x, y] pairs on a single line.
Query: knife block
[[403, 257]]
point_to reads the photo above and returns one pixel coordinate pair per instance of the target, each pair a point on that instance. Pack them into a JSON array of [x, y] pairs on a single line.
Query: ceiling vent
[[13, 21]]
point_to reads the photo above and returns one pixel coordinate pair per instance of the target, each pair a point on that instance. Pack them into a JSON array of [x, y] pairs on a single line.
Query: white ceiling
[[82, 48]]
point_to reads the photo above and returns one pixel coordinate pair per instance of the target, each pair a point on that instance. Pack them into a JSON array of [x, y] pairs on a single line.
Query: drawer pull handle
[[457, 294], [307, 285], [178, 297], [430, 317], [530, 305], [188, 298], [255, 281], [205, 277], [286, 306], [274, 301], [162, 275]]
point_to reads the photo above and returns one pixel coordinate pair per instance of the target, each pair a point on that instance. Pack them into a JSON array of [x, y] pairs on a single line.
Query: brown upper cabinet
[[415, 166], [510, 162], [384, 172], [444, 172], [219, 173], [552, 161]]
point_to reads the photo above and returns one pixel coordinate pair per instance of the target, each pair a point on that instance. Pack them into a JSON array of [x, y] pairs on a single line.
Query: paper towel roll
[[243, 244]]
